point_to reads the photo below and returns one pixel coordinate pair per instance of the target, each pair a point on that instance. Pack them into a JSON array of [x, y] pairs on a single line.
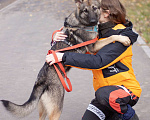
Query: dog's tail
[[27, 107], [30, 105]]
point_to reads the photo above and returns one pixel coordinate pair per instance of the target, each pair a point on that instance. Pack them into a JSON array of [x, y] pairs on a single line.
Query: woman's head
[[112, 10]]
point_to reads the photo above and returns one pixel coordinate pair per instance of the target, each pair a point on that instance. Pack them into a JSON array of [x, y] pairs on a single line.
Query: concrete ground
[[4, 3], [26, 27]]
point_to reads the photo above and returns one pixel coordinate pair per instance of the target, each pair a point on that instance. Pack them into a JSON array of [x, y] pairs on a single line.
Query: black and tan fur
[[48, 91]]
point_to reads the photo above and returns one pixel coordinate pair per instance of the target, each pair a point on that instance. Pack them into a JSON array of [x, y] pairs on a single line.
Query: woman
[[117, 89]]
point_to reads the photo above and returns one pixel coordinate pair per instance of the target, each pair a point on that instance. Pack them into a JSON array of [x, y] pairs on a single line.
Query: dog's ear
[[78, 2]]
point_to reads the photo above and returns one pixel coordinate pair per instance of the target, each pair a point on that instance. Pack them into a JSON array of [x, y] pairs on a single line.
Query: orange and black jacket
[[111, 65]]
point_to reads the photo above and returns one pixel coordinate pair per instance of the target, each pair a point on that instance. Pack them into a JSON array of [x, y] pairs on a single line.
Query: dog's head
[[88, 11]]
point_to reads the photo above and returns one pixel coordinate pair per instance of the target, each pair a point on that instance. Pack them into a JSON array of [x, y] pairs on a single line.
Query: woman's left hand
[[51, 60]]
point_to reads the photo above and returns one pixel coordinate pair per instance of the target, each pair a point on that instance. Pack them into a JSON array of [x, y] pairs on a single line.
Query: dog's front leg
[[42, 111], [55, 115]]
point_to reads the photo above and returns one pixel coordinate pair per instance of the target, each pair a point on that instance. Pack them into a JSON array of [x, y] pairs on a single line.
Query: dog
[[48, 92]]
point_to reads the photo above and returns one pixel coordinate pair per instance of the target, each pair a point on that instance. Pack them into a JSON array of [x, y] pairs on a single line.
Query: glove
[[129, 114]]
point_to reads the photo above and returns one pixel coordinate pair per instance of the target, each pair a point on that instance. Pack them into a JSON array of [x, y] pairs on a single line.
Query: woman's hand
[[51, 60], [60, 36], [123, 39]]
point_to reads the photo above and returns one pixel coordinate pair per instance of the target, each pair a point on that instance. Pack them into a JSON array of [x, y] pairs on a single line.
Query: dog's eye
[[85, 10], [94, 8]]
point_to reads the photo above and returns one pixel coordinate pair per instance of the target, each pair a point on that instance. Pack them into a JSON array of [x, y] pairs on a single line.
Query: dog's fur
[[48, 91]]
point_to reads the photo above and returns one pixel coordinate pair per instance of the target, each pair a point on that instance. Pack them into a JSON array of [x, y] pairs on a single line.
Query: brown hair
[[117, 10]]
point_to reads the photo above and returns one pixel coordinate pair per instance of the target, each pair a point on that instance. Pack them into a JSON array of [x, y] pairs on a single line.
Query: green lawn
[[138, 11]]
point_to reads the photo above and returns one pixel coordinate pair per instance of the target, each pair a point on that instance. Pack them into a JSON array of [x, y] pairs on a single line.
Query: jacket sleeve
[[104, 57], [128, 31]]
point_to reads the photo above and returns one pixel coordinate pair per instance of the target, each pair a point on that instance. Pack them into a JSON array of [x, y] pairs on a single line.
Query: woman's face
[[104, 16]]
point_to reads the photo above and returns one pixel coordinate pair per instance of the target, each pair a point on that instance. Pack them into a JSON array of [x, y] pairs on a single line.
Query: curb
[[8, 6], [144, 46]]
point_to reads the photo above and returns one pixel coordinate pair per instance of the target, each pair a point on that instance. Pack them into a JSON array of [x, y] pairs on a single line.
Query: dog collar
[[92, 28]]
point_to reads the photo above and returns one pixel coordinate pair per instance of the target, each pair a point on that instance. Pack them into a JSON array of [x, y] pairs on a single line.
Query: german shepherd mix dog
[[48, 91]]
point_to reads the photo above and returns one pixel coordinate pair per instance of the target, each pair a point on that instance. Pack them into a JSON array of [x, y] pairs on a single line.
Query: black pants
[[109, 101]]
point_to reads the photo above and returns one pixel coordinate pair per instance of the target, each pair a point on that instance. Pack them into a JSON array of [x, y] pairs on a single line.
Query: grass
[[138, 11]]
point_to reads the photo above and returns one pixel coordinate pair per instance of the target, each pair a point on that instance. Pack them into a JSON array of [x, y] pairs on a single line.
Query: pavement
[[4, 3], [26, 27]]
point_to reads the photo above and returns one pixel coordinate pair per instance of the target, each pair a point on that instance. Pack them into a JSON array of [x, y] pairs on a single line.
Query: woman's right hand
[[60, 36]]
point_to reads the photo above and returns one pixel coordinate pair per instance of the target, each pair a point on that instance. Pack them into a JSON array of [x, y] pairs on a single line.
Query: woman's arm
[[101, 43], [109, 54], [105, 56]]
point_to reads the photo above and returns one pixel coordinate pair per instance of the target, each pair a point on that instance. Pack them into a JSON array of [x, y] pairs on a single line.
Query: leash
[[60, 64], [59, 73]]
